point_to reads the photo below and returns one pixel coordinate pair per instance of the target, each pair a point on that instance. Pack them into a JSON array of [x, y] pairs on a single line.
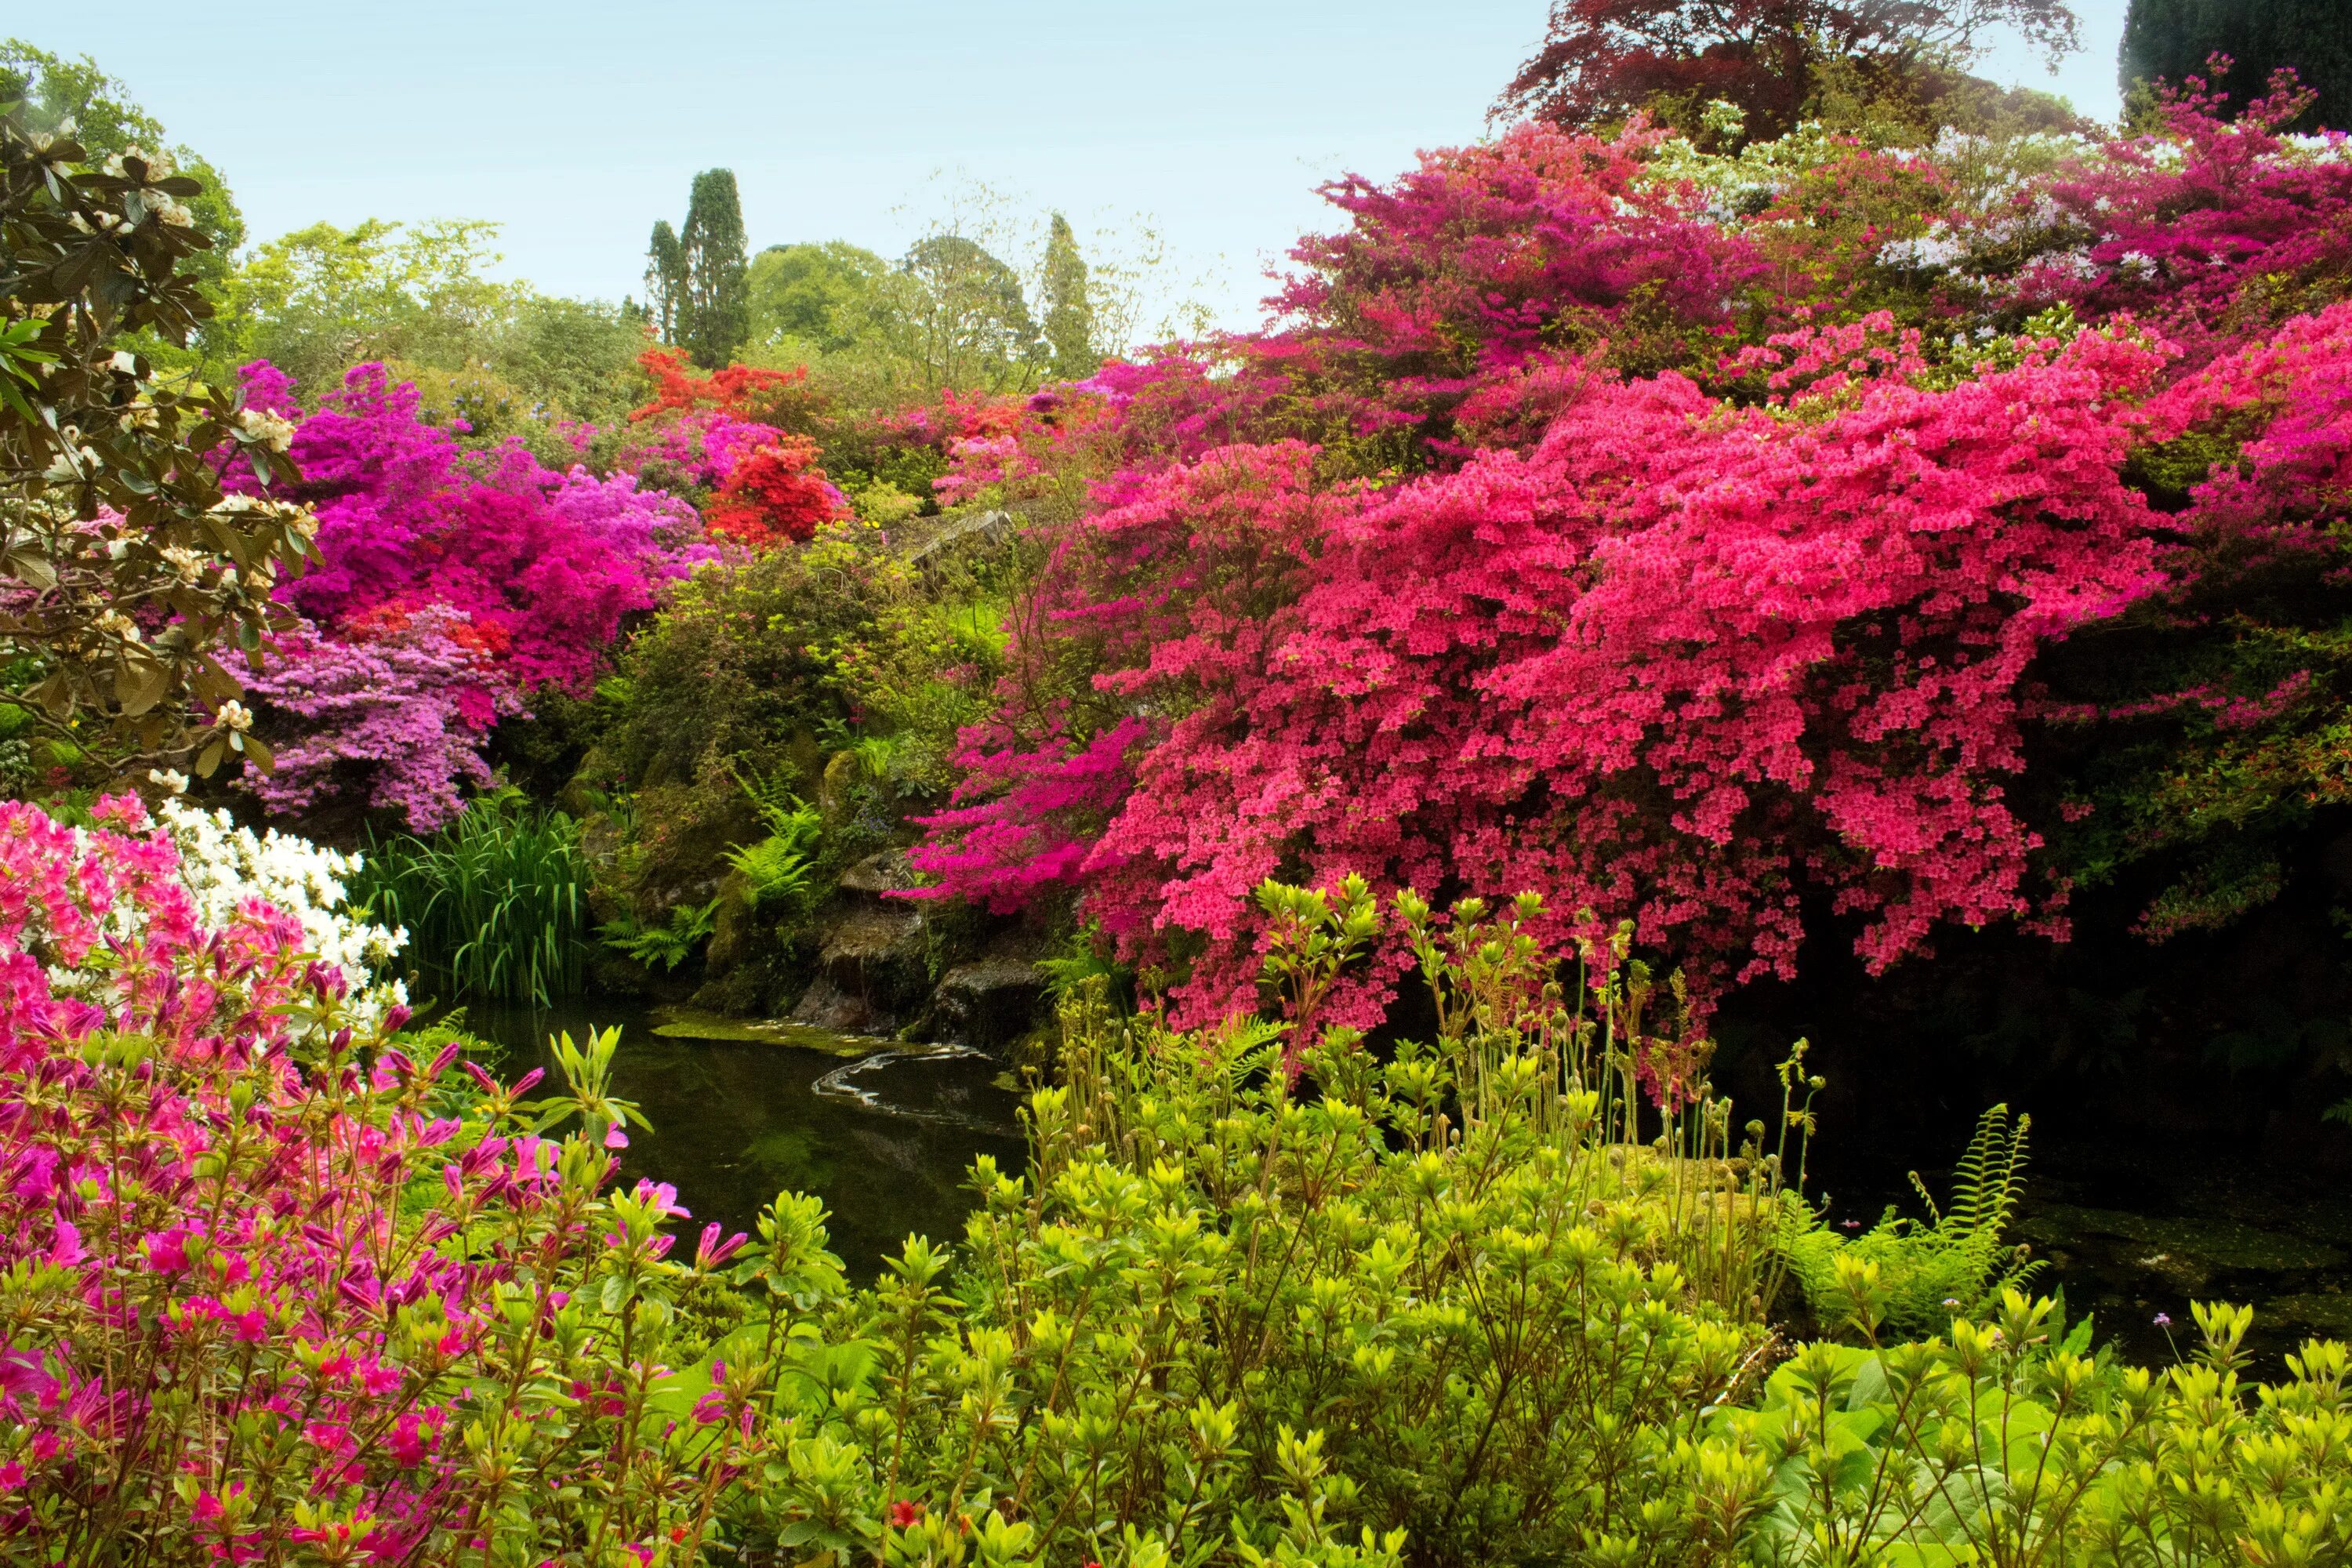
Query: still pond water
[[885, 1134]]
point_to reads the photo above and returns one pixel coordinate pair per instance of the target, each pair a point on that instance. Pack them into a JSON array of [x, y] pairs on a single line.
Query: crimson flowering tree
[[1607, 58], [1484, 259]]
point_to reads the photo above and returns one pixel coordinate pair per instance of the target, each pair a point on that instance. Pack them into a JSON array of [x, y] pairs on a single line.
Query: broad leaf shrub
[[752, 685], [135, 586]]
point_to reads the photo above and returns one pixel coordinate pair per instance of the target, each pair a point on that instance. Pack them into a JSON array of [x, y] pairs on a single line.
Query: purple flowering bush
[[449, 589]]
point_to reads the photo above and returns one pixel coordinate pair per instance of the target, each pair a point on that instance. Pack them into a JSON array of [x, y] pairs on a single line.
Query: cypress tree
[[716, 317], [1070, 314], [665, 282], [2171, 39]]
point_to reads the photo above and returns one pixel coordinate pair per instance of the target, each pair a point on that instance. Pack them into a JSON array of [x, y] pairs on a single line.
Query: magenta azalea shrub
[[275, 1292], [448, 589], [1679, 535]]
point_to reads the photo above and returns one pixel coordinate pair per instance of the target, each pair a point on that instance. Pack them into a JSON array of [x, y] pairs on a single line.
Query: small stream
[[882, 1132]]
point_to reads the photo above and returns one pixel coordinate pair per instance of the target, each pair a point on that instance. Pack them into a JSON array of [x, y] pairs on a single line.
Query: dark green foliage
[[739, 678], [1069, 313], [666, 286], [713, 322], [103, 498], [2170, 40], [575, 356], [496, 904]]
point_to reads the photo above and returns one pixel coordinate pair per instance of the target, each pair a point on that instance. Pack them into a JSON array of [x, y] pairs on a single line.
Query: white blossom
[[223, 865]]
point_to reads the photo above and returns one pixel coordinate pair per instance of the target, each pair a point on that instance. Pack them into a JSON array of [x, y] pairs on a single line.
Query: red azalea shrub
[[1485, 257], [776, 494], [766, 485]]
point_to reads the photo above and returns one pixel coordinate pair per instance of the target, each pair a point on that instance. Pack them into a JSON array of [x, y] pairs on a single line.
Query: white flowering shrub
[[225, 865]]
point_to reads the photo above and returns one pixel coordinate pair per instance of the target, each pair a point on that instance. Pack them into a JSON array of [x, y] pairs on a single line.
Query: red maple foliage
[[1606, 59]]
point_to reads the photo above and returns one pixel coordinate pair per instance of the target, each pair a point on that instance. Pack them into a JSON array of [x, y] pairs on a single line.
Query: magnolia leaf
[[208, 760], [140, 684], [55, 694]]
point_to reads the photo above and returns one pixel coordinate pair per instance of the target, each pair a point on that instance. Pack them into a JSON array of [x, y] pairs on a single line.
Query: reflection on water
[[737, 1119]]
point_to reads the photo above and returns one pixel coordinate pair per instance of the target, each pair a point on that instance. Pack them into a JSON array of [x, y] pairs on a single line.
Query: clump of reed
[[496, 903]]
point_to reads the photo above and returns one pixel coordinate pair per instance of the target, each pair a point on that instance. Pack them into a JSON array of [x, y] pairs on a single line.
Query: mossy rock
[[684, 1024]]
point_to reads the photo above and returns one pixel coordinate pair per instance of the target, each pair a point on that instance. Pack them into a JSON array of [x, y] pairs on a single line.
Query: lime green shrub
[[1429, 1307], [2014, 1443]]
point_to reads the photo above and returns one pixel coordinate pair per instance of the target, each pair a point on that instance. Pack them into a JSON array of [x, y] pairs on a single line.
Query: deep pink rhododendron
[[1573, 527], [268, 1275], [1674, 664], [553, 560]]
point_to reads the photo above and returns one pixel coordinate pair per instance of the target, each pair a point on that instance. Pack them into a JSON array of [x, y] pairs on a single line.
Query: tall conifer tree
[[716, 320], [666, 282], [1069, 313]]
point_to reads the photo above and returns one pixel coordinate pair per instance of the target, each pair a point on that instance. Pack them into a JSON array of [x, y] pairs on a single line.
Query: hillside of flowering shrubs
[[1345, 773]]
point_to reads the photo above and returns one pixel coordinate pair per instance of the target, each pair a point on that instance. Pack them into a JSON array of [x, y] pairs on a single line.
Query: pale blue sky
[[577, 125]]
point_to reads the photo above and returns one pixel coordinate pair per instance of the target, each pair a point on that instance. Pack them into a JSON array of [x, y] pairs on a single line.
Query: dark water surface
[[2133, 1233], [883, 1134]]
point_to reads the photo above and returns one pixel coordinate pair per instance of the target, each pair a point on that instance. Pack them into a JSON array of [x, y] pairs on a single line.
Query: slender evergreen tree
[[666, 282], [1069, 313], [716, 316], [2170, 39]]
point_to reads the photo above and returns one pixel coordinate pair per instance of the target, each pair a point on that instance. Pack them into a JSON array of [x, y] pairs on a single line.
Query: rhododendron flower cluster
[[448, 590], [775, 494], [225, 867], [766, 487], [404, 704], [1589, 524], [278, 1287]]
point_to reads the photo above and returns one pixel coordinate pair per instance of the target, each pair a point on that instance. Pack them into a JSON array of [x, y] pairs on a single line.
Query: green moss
[[683, 1023]]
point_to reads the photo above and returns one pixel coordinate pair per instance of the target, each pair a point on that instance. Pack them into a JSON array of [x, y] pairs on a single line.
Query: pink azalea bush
[[1681, 536], [278, 1291]]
